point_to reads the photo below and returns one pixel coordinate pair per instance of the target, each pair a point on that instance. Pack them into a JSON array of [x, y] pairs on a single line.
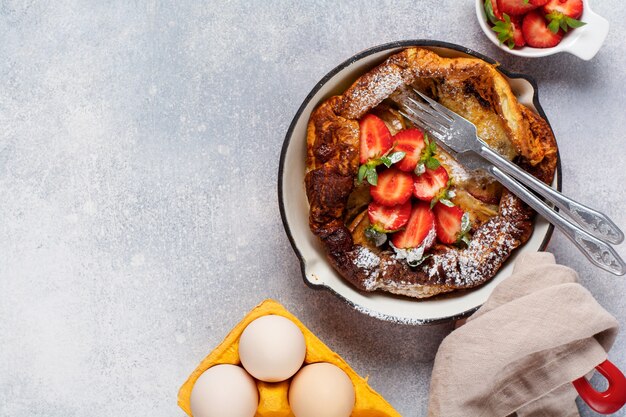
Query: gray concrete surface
[[139, 146]]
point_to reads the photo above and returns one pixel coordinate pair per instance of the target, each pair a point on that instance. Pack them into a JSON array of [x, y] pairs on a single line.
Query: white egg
[[272, 348], [224, 391], [321, 390]]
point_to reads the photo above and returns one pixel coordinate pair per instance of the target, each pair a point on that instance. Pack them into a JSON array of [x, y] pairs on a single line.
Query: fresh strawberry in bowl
[[537, 28]]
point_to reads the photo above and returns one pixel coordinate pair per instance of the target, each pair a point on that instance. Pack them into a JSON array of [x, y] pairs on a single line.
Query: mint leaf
[[397, 156], [361, 175], [386, 161], [465, 223], [417, 262], [444, 196], [420, 169], [372, 176], [413, 256], [375, 236]]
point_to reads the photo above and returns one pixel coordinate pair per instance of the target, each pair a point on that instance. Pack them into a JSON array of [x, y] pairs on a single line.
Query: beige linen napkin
[[519, 352]]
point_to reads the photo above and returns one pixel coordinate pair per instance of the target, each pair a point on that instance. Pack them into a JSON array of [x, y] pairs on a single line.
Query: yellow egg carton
[[273, 400]]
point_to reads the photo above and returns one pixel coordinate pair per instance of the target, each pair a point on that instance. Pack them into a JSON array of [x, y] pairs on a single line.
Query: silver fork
[[458, 136]]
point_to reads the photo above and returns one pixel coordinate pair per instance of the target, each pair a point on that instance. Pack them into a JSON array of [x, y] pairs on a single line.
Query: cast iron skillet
[[316, 271]]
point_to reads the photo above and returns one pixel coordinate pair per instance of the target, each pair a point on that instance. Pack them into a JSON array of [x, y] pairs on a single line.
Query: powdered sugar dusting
[[371, 91], [445, 270], [467, 268], [366, 258], [370, 263]]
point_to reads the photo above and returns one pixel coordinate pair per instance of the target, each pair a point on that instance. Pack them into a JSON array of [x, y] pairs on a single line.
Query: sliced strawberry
[[496, 12], [518, 36], [538, 3], [492, 11], [536, 32], [563, 14], [393, 187], [387, 219], [411, 142], [509, 31], [419, 229], [515, 7], [448, 223], [375, 138], [428, 185], [569, 8]]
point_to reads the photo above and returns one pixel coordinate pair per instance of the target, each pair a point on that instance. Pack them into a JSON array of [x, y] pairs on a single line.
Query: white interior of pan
[[319, 272]]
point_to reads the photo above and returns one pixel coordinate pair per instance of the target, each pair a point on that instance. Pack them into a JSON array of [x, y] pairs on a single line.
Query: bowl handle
[[590, 37], [613, 398]]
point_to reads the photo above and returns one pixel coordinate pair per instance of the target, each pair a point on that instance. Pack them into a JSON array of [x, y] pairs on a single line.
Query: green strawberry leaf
[[427, 159], [504, 30], [446, 202], [432, 147], [510, 43], [573, 23], [432, 163], [489, 12], [526, 1], [554, 25]]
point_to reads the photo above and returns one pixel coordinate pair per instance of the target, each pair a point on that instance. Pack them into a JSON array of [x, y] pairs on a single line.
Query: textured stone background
[[139, 146]]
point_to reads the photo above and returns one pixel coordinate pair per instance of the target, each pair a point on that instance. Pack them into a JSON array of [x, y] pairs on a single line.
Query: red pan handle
[[613, 398]]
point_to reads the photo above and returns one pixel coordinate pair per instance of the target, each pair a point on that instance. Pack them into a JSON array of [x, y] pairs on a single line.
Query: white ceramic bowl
[[294, 206], [584, 42]]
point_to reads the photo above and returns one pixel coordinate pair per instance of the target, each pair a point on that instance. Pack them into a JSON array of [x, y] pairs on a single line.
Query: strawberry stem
[[561, 21]]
